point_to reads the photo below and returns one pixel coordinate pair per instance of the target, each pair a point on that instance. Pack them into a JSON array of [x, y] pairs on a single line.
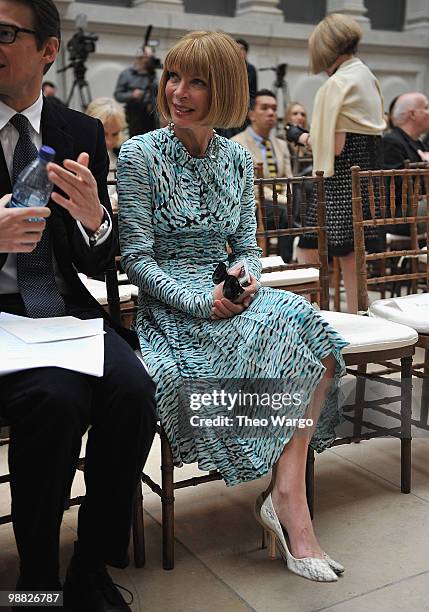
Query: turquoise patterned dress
[[177, 214]]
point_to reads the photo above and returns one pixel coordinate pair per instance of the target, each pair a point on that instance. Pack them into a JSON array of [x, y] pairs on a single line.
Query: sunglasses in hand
[[233, 286]]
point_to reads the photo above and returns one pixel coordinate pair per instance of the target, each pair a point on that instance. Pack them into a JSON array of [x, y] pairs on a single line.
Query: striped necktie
[[271, 162], [35, 272]]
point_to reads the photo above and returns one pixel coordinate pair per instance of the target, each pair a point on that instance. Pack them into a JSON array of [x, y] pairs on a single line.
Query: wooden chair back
[[409, 165], [384, 188], [295, 207]]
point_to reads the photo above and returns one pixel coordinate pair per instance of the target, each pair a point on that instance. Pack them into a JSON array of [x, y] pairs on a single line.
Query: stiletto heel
[[312, 568], [272, 546], [264, 540]]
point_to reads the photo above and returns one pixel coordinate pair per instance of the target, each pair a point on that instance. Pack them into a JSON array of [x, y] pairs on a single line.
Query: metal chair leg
[[167, 499], [138, 528]]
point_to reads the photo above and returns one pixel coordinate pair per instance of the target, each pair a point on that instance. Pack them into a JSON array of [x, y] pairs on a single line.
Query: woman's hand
[[224, 308]]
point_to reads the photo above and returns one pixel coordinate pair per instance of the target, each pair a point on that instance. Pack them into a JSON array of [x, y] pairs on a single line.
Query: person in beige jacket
[[271, 152], [346, 130]]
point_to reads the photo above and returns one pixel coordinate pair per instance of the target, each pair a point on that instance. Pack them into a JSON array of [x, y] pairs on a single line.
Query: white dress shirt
[[8, 139]]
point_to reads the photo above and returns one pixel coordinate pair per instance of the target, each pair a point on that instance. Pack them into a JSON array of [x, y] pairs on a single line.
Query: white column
[[161, 5], [261, 7], [62, 6], [353, 8], [417, 15]]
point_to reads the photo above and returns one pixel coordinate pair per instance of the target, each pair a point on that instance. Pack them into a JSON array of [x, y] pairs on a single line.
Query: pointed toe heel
[[311, 568]]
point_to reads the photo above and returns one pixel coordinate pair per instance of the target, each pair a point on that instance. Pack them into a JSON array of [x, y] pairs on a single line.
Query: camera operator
[[137, 86]]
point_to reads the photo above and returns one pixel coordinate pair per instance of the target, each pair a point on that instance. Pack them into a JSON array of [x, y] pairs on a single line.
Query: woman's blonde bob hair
[[334, 36], [105, 109], [216, 58]]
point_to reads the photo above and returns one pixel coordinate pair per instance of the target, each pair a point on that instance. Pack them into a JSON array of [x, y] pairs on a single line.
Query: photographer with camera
[[137, 86]]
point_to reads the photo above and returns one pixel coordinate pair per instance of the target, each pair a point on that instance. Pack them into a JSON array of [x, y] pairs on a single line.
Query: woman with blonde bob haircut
[[346, 128], [336, 35], [187, 228], [218, 59]]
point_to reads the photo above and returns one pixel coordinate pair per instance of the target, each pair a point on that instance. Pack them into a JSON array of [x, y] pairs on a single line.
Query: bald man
[[410, 118]]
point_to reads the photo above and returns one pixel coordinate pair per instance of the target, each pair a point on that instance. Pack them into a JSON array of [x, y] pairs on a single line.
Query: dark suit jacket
[[397, 147], [70, 133]]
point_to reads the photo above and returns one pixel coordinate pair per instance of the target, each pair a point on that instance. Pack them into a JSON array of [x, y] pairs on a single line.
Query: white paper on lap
[[85, 355]]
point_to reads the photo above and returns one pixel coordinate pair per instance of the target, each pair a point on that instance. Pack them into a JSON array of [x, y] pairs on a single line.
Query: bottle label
[[33, 200]]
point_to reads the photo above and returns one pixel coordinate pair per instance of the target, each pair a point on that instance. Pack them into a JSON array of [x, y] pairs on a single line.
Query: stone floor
[[362, 519]]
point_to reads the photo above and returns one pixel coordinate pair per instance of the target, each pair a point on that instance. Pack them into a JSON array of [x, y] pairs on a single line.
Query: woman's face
[[187, 98], [112, 130], [298, 116]]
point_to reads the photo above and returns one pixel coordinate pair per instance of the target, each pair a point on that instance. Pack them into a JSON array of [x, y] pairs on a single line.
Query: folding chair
[[413, 186], [310, 279], [369, 342]]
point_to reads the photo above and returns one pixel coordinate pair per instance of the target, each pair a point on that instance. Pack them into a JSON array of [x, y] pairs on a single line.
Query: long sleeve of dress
[[137, 238], [243, 241]]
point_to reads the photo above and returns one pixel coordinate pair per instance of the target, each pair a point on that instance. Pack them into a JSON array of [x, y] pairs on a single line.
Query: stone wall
[[399, 59]]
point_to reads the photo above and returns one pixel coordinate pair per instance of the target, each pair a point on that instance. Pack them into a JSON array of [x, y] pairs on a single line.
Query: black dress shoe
[[89, 588]]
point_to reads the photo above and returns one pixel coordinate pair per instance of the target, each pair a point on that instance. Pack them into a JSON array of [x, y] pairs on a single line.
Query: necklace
[[212, 151]]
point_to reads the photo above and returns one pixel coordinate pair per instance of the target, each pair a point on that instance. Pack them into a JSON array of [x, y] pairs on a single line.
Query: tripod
[[280, 85], [79, 70]]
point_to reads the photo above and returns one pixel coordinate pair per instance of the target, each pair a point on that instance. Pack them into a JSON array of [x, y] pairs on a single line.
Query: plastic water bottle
[[32, 187]]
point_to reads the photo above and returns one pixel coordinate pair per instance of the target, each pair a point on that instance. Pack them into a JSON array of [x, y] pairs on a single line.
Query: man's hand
[[424, 155], [138, 93], [17, 233], [77, 181]]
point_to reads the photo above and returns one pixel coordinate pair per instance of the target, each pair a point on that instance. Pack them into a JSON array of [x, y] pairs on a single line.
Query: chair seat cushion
[[392, 239], [272, 261], [98, 290], [412, 310], [289, 277], [369, 334]]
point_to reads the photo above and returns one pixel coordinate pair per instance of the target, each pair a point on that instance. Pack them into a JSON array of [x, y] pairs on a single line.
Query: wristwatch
[[100, 232]]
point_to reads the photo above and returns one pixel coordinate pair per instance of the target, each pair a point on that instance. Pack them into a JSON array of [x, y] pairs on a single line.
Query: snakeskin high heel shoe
[[311, 568], [335, 565]]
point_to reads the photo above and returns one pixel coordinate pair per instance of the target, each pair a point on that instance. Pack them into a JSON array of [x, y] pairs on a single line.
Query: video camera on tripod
[[79, 47]]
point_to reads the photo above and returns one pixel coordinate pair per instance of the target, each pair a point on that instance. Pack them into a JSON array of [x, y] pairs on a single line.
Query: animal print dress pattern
[[177, 213]]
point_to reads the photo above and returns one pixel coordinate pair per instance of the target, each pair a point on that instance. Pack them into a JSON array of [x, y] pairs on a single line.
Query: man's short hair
[[261, 92], [46, 19], [215, 57], [402, 107], [46, 22], [243, 43]]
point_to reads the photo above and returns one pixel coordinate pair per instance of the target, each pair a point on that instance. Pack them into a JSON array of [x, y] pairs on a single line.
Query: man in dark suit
[[51, 408], [410, 120]]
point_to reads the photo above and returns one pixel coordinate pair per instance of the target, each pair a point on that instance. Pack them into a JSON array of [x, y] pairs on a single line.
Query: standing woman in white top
[[346, 130]]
